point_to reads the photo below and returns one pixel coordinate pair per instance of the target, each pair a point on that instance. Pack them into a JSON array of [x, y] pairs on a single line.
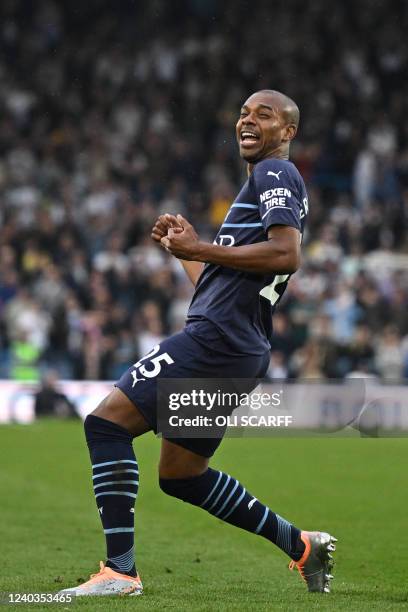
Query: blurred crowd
[[114, 112]]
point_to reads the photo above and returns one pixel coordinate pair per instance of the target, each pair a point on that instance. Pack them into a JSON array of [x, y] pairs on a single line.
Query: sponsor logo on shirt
[[305, 208], [275, 202], [273, 193], [225, 240]]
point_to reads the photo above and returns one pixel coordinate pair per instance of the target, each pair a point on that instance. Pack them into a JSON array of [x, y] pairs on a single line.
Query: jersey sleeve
[[275, 184]]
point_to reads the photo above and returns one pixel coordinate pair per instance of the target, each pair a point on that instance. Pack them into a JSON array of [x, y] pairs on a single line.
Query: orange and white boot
[[107, 582], [316, 564]]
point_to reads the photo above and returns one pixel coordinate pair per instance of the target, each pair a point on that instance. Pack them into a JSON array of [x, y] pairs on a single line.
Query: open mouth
[[249, 138]]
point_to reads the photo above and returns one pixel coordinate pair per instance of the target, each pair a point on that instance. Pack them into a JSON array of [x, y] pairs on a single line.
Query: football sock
[[115, 476], [224, 497]]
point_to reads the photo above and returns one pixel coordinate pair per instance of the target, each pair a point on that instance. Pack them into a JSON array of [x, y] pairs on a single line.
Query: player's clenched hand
[[183, 243], [162, 226]]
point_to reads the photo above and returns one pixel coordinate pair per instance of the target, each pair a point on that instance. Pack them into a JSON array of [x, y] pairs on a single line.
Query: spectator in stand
[[50, 401], [390, 357]]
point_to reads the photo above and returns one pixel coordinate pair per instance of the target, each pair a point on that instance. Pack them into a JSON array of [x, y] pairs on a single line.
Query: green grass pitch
[[188, 560]]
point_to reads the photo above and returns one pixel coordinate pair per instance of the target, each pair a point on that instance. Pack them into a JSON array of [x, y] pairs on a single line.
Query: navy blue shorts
[[199, 351]]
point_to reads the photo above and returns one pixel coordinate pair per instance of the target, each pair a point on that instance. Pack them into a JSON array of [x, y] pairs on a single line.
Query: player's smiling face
[[260, 128]]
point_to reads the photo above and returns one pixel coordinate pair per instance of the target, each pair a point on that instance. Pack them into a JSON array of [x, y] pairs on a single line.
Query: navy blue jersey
[[240, 304]]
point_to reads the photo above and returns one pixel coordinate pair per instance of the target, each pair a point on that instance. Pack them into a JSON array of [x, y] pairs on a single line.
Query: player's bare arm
[[280, 254]]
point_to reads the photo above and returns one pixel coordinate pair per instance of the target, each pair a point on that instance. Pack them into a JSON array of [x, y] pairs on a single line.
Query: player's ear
[[289, 132]]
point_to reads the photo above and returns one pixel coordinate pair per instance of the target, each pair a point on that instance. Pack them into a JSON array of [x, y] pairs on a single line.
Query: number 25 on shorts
[[155, 361]]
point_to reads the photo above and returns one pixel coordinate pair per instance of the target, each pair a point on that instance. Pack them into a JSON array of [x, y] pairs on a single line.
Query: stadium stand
[[113, 112]]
